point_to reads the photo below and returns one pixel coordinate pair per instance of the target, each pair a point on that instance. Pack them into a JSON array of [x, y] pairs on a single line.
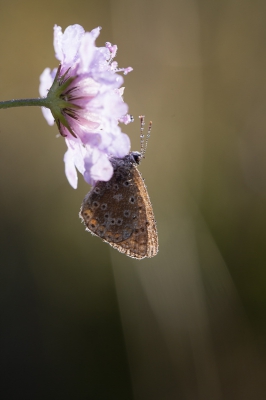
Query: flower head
[[85, 100]]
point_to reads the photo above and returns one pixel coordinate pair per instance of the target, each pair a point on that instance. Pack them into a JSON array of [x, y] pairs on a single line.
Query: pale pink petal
[[67, 44], [77, 151], [46, 81], [97, 167], [114, 105], [102, 170], [58, 42], [87, 50], [96, 32], [79, 158], [70, 169], [71, 41], [120, 146], [48, 115], [120, 91]]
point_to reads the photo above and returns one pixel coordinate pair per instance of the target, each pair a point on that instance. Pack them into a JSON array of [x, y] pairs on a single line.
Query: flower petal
[[58, 42], [48, 116], [87, 50], [120, 146], [102, 170], [46, 81], [97, 167], [70, 169], [67, 44]]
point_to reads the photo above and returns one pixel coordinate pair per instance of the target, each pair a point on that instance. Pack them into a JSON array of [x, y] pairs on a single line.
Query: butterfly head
[[136, 157]]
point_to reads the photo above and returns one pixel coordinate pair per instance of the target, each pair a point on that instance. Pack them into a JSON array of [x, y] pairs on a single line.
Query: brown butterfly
[[119, 211]]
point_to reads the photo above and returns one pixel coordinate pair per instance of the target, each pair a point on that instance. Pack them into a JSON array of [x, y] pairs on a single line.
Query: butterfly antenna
[[143, 143]]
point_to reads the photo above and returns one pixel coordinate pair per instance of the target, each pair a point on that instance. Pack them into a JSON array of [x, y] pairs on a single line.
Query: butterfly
[[119, 211]]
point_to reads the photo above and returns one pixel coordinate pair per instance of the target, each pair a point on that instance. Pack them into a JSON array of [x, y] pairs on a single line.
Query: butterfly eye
[[126, 213], [132, 199], [119, 221], [126, 183], [104, 206]]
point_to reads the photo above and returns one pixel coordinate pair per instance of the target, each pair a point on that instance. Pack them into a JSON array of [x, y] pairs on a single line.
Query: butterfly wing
[[146, 218], [120, 212]]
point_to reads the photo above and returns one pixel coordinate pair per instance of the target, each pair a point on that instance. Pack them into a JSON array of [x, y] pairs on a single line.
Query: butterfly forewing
[[119, 211]]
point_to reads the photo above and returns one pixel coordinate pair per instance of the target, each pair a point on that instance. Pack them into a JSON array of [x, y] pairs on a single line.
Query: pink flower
[[85, 100]]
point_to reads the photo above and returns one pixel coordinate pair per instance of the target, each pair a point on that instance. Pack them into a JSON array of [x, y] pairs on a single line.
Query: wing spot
[[132, 199], [127, 232], [95, 204], [101, 230], [97, 190], [117, 237], [93, 224], [87, 214]]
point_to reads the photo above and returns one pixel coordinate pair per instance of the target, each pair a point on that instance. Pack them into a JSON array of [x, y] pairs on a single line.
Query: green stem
[[25, 102]]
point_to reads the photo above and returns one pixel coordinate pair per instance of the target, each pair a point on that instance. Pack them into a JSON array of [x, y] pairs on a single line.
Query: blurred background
[[79, 320]]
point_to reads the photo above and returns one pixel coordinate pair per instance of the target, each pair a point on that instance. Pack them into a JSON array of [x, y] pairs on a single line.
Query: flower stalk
[[41, 102]]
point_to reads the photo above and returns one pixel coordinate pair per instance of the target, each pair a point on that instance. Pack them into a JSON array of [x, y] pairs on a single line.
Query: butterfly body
[[120, 212]]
